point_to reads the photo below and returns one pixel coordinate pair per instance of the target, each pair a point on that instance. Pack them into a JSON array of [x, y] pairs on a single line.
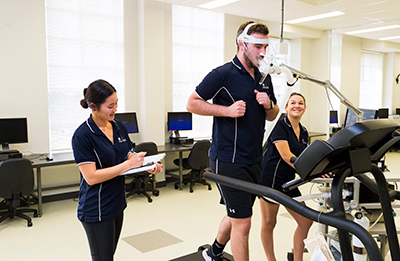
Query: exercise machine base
[[197, 256]]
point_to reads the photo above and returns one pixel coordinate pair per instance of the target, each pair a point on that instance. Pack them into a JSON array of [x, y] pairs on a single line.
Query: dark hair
[[97, 92], [257, 28], [298, 94]]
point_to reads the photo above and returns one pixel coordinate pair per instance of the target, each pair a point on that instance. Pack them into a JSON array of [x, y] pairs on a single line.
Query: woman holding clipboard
[[101, 147]]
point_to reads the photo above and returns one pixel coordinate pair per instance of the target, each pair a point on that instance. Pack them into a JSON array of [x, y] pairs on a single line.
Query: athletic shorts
[[291, 193], [278, 186], [238, 203]]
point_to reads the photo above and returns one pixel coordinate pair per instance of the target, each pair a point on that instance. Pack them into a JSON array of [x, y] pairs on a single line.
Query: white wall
[[350, 81], [23, 70]]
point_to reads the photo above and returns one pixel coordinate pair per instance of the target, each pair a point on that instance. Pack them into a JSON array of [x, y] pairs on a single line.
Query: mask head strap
[[244, 37]]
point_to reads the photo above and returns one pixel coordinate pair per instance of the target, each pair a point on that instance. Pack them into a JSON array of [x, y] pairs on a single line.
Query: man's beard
[[249, 63]]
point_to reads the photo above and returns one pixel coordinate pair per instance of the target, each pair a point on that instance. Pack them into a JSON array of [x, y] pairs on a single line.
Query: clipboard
[[149, 162]]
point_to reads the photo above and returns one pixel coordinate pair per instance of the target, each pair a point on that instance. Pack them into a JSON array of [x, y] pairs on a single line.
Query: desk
[[169, 147], [58, 159], [68, 158]]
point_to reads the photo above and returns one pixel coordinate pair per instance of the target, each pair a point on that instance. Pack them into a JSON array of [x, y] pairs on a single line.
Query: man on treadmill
[[242, 99]]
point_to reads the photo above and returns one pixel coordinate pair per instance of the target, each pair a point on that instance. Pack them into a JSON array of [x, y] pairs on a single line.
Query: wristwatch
[[272, 105]]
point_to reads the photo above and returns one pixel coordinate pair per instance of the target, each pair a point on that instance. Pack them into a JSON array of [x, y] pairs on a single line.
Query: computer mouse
[[49, 158]]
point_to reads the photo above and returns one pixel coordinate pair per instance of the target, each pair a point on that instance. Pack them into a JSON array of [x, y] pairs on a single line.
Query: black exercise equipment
[[197, 256], [350, 152]]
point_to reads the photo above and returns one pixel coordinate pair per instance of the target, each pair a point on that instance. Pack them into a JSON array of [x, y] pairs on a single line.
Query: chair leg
[[194, 177], [152, 188], [149, 199], [18, 213], [139, 187], [4, 216], [28, 219]]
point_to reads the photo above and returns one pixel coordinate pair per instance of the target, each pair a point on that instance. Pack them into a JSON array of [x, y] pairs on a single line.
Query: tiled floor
[[178, 222]]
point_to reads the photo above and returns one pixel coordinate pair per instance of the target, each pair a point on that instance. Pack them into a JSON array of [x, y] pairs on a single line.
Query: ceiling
[[358, 15]]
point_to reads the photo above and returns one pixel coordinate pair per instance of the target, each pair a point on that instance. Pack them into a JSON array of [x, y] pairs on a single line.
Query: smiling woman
[[102, 151], [289, 138]]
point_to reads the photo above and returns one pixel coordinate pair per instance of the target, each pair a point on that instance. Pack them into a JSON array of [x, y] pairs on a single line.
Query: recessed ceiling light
[[374, 29], [217, 3], [314, 17], [390, 38]]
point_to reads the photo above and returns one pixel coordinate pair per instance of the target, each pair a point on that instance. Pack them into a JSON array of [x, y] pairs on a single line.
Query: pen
[[132, 151]]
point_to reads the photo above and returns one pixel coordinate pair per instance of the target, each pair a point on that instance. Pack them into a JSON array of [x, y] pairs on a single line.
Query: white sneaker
[[210, 257]]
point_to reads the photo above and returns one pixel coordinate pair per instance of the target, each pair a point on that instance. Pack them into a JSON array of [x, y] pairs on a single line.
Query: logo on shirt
[[121, 140]]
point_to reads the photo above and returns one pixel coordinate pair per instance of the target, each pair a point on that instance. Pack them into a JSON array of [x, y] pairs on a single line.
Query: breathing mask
[[261, 60]]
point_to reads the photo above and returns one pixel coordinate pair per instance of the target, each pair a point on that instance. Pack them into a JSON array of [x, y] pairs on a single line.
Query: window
[[198, 47], [84, 43], [371, 80]]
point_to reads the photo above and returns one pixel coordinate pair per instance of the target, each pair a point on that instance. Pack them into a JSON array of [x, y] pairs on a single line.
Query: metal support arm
[[331, 87]]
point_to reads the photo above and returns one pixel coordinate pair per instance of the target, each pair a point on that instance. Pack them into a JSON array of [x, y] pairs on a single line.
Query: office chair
[[143, 181], [197, 161], [16, 182]]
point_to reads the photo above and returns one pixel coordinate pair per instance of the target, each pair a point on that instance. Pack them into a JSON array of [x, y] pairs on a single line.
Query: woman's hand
[[327, 176], [136, 160], [157, 169]]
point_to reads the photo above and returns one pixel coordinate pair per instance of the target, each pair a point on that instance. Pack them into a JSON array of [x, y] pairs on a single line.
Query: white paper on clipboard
[[149, 162]]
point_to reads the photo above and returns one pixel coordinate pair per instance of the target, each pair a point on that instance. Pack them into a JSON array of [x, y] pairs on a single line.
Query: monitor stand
[[6, 149], [177, 135], [176, 138]]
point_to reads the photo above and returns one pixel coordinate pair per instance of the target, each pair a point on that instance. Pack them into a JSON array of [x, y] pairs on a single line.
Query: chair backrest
[[150, 147], [198, 157], [16, 177]]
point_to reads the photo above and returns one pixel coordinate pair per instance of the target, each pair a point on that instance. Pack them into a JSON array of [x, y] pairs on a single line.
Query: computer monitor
[[351, 118], [129, 120], [13, 130], [397, 111], [179, 121], [333, 117], [383, 113]]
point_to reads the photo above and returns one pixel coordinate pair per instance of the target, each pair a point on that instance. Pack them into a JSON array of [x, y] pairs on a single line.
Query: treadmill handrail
[[325, 218]]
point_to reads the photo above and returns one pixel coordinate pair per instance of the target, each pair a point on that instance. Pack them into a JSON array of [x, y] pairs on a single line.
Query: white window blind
[[84, 43], [371, 80], [198, 47]]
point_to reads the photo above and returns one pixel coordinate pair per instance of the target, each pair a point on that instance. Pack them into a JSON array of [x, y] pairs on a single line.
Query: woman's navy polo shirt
[[105, 200], [276, 171], [236, 140]]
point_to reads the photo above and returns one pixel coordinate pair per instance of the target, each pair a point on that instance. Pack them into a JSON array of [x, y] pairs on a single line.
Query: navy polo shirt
[[105, 200], [276, 171], [236, 140]]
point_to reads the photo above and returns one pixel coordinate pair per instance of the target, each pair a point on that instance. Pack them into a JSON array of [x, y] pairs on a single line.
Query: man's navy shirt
[[236, 140], [105, 200]]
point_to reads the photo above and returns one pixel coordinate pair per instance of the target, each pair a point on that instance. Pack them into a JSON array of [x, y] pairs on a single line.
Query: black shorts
[[278, 186], [291, 193], [239, 203]]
